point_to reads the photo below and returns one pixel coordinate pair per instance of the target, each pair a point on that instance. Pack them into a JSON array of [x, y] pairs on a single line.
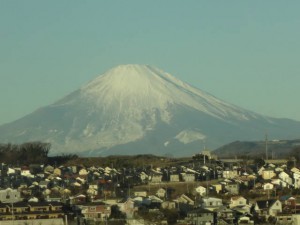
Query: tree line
[[24, 154]]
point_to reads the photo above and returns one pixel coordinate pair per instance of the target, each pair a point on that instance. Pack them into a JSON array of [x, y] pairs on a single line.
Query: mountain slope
[[276, 149], [141, 109]]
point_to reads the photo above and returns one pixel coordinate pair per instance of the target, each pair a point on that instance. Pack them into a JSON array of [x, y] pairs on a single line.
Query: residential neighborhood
[[200, 191]]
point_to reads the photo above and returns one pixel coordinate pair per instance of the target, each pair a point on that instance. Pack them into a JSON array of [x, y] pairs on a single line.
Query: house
[[296, 177], [53, 197], [233, 188], [168, 205], [201, 216], [95, 210], [83, 172], [245, 220], [267, 208], [285, 178], [140, 194], [230, 174], [78, 199], [92, 192], [246, 179], [143, 176], [295, 170], [156, 178], [57, 171], [93, 185], [237, 201], [287, 200], [73, 169], [3, 208], [25, 191], [152, 198], [268, 174], [290, 204], [287, 219], [210, 202], [201, 190], [49, 169], [11, 171], [278, 170], [10, 196], [278, 182], [161, 192], [40, 175], [188, 177], [225, 215], [107, 170], [128, 207], [174, 178], [76, 184], [80, 180], [185, 200], [242, 210], [217, 187], [268, 186], [43, 184], [260, 171], [26, 172]]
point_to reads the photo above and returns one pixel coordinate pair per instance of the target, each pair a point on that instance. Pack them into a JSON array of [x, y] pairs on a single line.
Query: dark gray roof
[[265, 204]]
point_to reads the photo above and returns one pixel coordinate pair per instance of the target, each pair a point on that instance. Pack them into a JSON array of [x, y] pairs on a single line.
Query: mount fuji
[[140, 109]]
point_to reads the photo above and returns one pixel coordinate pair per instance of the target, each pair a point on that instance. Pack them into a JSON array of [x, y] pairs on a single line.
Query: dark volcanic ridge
[[273, 149]]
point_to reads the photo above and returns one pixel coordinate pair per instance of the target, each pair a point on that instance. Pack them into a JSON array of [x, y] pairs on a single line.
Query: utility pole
[[12, 213], [294, 160], [128, 190], [266, 140], [206, 185], [295, 205], [203, 152]]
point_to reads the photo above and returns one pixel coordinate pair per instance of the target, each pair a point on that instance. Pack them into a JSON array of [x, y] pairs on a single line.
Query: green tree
[[172, 215], [259, 162], [116, 213]]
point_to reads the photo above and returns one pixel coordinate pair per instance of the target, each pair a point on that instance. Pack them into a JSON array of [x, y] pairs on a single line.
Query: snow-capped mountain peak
[[147, 87], [140, 109]]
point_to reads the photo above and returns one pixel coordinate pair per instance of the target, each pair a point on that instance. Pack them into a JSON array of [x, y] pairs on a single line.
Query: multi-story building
[[30, 210]]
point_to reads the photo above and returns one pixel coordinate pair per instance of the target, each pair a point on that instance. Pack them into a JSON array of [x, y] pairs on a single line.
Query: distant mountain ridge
[[135, 109], [275, 148]]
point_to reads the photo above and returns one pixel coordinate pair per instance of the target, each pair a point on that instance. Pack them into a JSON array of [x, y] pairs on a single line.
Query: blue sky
[[244, 52]]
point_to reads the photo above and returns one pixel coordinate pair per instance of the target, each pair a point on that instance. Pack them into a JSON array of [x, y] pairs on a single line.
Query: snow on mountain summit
[[148, 87]]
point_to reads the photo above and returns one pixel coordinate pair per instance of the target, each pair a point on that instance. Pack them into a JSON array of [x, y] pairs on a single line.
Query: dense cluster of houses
[[217, 192]]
